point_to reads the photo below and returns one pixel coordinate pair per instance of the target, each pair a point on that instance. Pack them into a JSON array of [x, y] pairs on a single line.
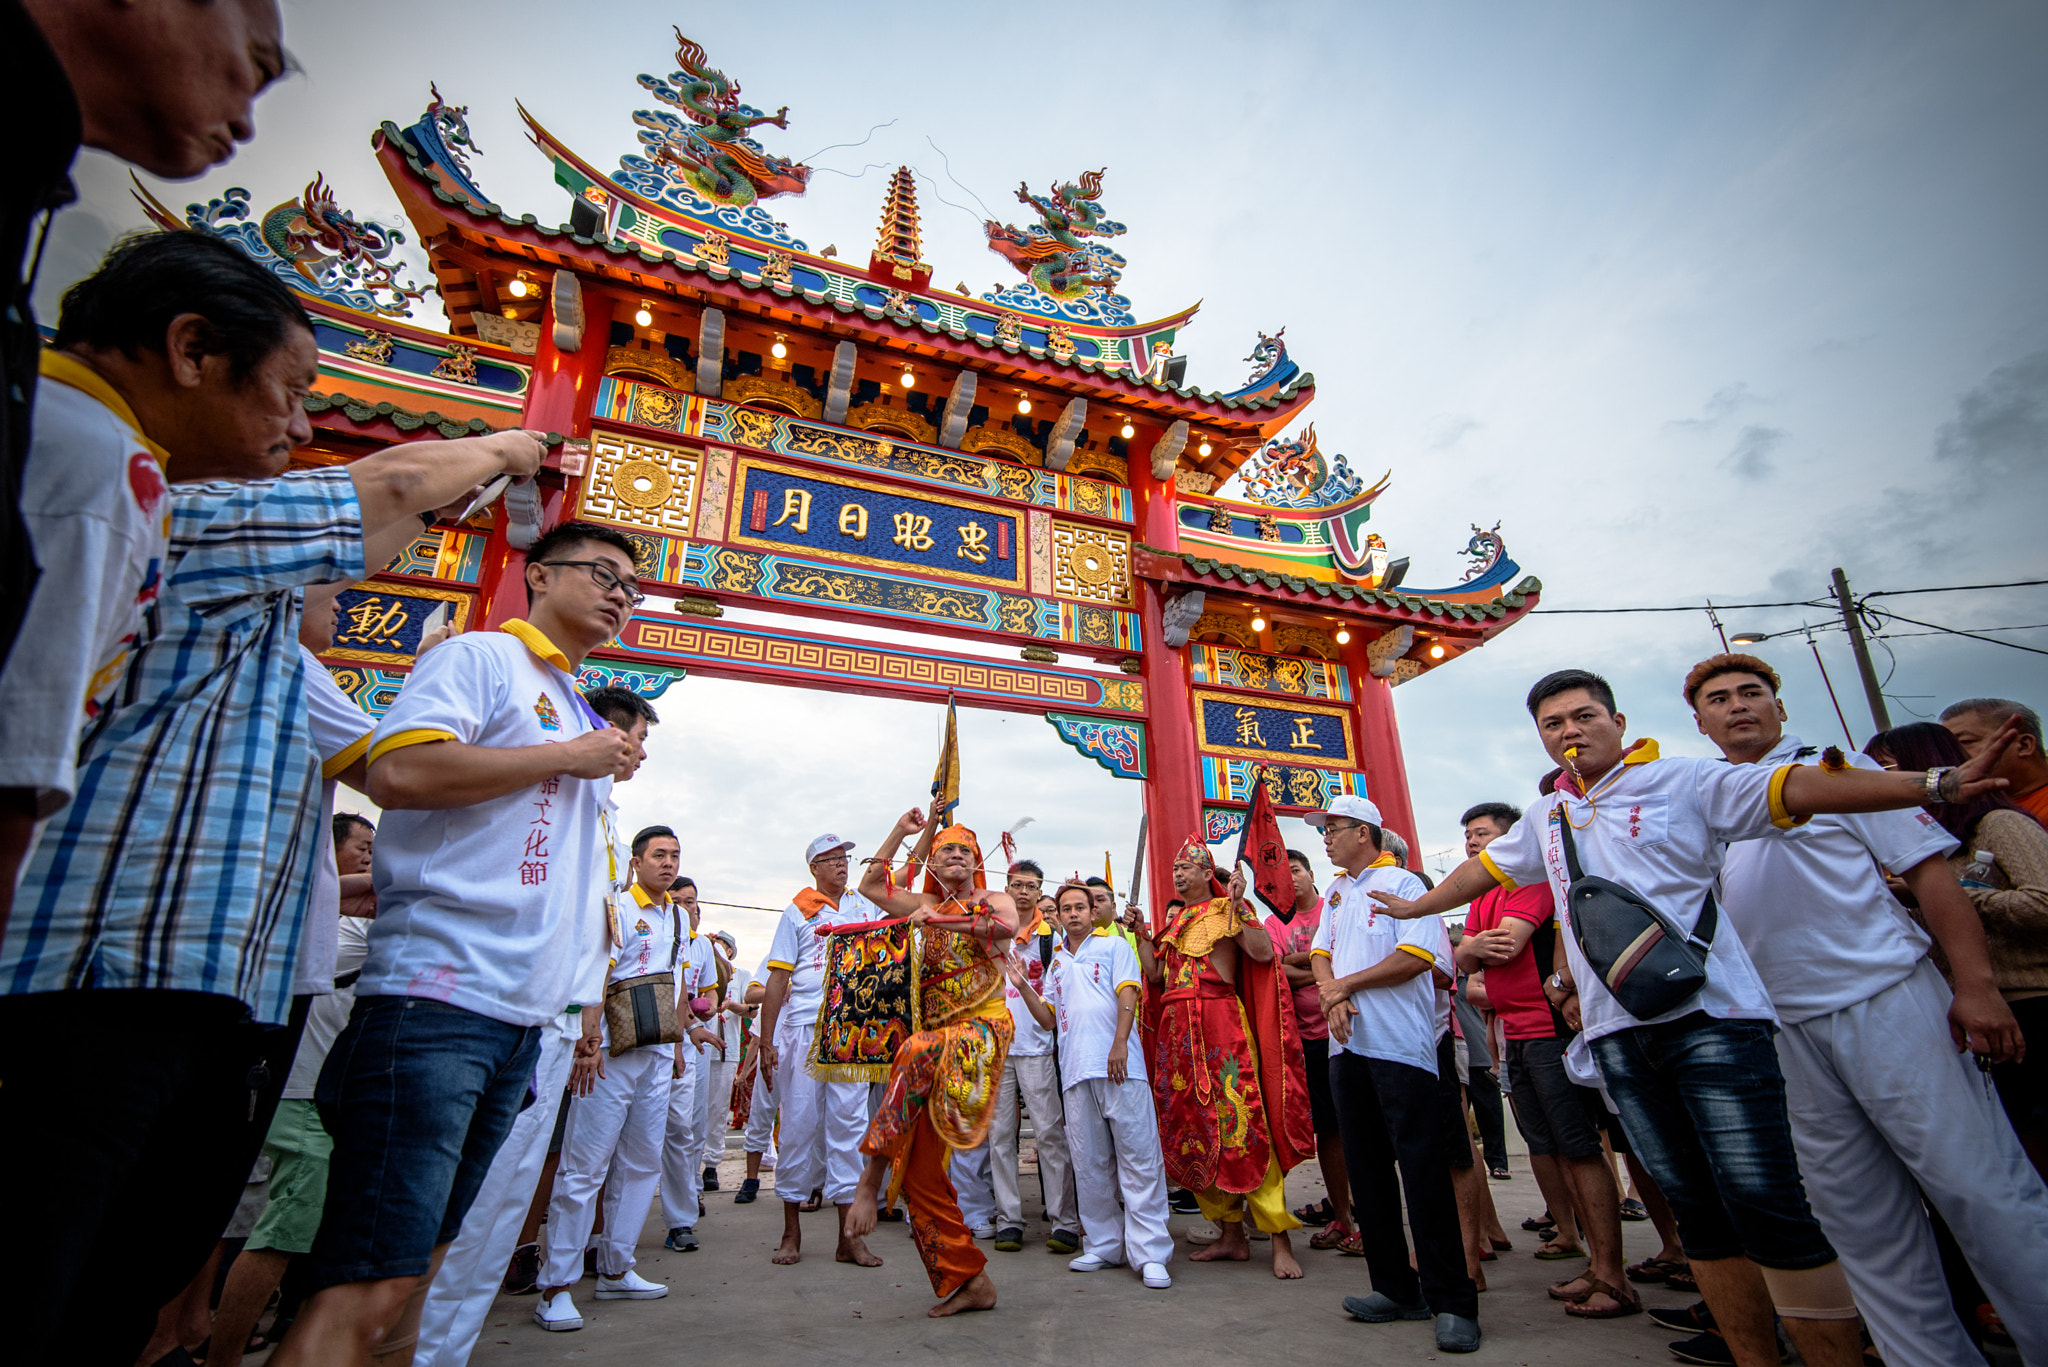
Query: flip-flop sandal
[[1652, 1270], [1332, 1236], [1683, 1280], [1502, 1245], [1585, 1279], [1536, 1222], [1489, 1256], [1557, 1255], [1626, 1303], [1500, 1174], [813, 1202], [1353, 1247], [1632, 1209]]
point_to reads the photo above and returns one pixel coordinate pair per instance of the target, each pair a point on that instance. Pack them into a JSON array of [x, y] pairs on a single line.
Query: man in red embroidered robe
[[1228, 1081], [942, 1088]]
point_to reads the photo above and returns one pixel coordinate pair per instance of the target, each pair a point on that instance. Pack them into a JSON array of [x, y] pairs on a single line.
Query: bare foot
[[790, 1251], [1233, 1247], [1284, 1265], [855, 1250], [860, 1215], [978, 1294]]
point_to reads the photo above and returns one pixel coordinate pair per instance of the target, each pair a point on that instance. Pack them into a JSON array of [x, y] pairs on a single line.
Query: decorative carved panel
[[1009, 442], [1309, 639], [871, 417], [636, 483], [1091, 563], [658, 366], [760, 389]]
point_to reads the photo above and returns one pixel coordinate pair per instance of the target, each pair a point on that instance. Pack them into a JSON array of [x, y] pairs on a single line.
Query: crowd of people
[[1776, 1000]]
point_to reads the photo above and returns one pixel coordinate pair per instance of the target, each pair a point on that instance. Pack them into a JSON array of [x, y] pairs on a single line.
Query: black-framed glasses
[[1332, 828], [606, 580]]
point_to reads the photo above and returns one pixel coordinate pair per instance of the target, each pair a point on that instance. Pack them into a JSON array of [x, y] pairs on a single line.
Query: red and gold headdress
[[1194, 849]]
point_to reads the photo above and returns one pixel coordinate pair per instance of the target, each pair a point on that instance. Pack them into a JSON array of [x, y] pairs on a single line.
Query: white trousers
[[1884, 1108], [761, 1112], [1115, 1140], [467, 1284], [969, 1171], [822, 1124], [682, 1181], [718, 1110], [614, 1133], [1036, 1081]]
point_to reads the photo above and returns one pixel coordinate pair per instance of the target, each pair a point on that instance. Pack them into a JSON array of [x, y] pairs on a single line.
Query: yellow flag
[[946, 778]]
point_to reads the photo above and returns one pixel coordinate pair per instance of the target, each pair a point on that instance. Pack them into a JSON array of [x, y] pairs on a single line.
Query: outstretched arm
[[1810, 790], [1465, 882], [874, 879]]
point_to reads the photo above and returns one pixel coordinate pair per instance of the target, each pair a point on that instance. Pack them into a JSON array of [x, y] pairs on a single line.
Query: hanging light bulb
[[1204, 448], [1023, 405], [1127, 431], [518, 288], [909, 378], [1436, 652], [781, 347], [1258, 624], [644, 315], [1343, 636]]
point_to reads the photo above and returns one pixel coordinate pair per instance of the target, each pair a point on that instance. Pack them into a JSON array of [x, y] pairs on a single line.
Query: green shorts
[[299, 1148]]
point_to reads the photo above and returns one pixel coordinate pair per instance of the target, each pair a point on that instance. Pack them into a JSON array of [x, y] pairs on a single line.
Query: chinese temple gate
[[846, 446]]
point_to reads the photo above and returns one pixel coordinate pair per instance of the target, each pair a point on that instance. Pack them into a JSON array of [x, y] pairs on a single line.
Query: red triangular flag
[[1262, 854]]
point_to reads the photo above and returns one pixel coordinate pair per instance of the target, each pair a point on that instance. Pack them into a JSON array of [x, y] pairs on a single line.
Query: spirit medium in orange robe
[[941, 1094]]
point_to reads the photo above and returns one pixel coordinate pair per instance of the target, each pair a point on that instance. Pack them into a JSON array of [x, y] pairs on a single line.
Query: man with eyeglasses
[[1031, 1082], [490, 876], [822, 1122]]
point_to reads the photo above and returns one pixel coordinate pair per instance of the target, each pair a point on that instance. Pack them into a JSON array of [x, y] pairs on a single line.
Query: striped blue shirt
[[186, 860]]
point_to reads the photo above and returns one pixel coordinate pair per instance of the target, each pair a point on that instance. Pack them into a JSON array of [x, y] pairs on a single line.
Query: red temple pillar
[[560, 399], [1173, 790], [1379, 755]]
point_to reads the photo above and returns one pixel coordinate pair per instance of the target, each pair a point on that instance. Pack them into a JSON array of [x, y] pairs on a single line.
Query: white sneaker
[[631, 1287], [984, 1231], [1156, 1278], [1088, 1262], [557, 1313], [767, 1162]]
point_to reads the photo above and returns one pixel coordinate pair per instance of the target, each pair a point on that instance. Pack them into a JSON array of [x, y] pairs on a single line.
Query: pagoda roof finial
[[899, 250]]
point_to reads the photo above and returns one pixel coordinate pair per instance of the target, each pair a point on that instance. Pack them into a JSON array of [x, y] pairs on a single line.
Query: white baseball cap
[[1347, 805], [826, 844]]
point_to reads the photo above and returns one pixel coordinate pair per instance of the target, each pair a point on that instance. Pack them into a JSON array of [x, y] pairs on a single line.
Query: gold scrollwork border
[[878, 416], [762, 389], [1269, 704], [738, 535], [658, 366], [1015, 445]]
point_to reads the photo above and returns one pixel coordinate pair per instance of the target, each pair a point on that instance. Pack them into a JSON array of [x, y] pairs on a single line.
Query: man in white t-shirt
[[1379, 998], [1031, 1080], [618, 1108], [490, 872], [759, 1142], [1886, 1108], [475, 1267], [1698, 1086], [822, 1122], [725, 1025], [689, 1087], [1092, 990]]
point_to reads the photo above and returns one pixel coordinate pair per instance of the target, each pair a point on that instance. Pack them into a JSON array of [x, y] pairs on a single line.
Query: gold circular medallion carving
[[1091, 564], [641, 484]]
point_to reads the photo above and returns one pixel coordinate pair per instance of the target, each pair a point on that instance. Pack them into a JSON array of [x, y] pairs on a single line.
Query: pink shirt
[[1295, 937]]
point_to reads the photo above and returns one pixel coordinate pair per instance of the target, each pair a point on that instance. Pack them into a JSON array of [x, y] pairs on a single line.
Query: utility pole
[[1863, 664]]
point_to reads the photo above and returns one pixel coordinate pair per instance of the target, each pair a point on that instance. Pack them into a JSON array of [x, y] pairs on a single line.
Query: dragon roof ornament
[[1272, 369], [442, 135], [311, 243], [700, 160], [1069, 276], [1290, 472]]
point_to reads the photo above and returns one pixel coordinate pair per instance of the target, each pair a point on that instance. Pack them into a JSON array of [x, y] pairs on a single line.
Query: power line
[[1951, 631], [1903, 635], [1801, 603]]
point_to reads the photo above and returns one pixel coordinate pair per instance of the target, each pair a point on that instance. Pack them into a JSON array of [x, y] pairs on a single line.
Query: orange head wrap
[[955, 835]]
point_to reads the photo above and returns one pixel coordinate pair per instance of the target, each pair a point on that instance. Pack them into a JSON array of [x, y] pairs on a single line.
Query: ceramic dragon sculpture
[[451, 121], [1290, 472], [709, 146], [1052, 252], [1485, 550]]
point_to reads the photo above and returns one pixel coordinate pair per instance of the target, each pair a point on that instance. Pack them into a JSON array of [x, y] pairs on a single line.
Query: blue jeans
[[1703, 1104], [418, 1095]]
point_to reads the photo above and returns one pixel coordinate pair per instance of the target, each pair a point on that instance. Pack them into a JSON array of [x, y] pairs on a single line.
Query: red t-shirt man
[[1514, 989], [1294, 936]]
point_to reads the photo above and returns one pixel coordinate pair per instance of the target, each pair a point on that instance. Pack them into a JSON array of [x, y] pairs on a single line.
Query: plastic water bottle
[[1977, 874]]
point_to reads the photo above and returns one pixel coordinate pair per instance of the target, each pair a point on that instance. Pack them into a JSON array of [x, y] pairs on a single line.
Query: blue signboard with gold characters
[[381, 623], [1258, 728], [777, 507]]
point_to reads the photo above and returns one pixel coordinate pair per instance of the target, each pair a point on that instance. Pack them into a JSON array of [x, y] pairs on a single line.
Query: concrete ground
[[727, 1304]]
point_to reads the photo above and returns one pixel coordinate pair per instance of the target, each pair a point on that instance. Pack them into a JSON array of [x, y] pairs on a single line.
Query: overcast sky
[[1695, 300]]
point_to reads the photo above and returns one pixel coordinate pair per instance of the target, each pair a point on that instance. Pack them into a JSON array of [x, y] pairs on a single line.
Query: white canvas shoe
[[557, 1313], [1088, 1262], [983, 1231], [1156, 1278], [631, 1287]]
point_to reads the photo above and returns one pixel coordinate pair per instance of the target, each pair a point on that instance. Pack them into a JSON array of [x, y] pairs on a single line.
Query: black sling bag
[[1646, 961]]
